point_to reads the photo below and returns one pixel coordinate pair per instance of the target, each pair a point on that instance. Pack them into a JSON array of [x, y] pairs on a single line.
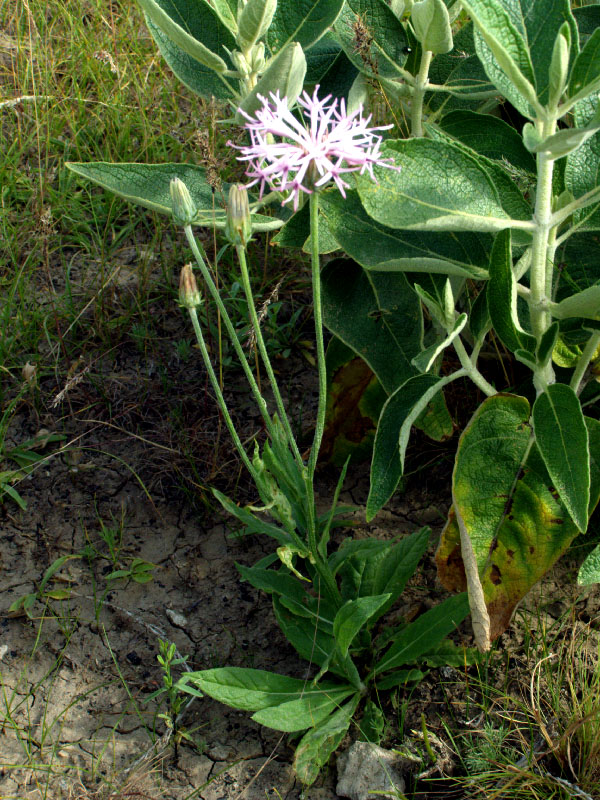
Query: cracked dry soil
[[74, 678]]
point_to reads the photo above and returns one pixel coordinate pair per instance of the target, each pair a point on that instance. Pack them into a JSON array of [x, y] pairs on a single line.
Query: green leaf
[[253, 523], [353, 616], [502, 47], [562, 439], [304, 712], [586, 69], [501, 294], [201, 80], [309, 640], [354, 400], [567, 141], [376, 314], [425, 360], [303, 21], [284, 74], [547, 344], [318, 743], [193, 27], [400, 678], [584, 304], [254, 689], [372, 37], [517, 522], [489, 136], [385, 249], [438, 188], [373, 568], [589, 572], [431, 23], [279, 583], [397, 417], [461, 72], [424, 633], [479, 316], [148, 186], [254, 22], [582, 170]]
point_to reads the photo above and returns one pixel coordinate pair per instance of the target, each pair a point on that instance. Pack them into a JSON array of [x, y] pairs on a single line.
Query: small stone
[[176, 619], [3, 651], [368, 772]]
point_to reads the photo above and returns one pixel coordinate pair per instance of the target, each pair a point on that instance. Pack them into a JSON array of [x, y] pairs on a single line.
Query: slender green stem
[[320, 346], [320, 563], [219, 394], [471, 370], [241, 254], [416, 113], [230, 329], [584, 362]]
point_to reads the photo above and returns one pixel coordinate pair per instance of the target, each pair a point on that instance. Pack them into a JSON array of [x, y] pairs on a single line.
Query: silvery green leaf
[[438, 187], [254, 22], [304, 21], [431, 24], [432, 305], [589, 572], [585, 304], [284, 74], [179, 36], [425, 360], [586, 69], [559, 65], [567, 140], [503, 50]]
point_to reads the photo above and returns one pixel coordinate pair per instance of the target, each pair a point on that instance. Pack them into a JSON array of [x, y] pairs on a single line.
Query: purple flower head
[[308, 156]]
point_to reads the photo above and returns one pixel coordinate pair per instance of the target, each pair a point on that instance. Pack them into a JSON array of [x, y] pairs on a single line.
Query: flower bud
[[257, 57], [241, 63], [183, 207], [238, 227], [189, 296]]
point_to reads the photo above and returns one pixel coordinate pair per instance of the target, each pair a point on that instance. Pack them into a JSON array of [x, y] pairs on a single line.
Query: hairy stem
[[416, 113], [470, 368], [541, 270]]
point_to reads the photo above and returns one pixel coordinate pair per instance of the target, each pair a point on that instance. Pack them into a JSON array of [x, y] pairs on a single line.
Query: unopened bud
[[189, 296], [238, 227], [257, 57], [183, 207], [241, 63]]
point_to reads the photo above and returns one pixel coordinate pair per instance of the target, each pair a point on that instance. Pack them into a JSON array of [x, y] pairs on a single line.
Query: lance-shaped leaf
[[303, 712], [372, 37], [302, 21], [586, 69], [431, 23], [353, 616], [193, 27], [425, 360], [376, 314], [199, 79], [254, 22], [385, 249], [585, 304], [501, 294], [254, 689], [582, 170], [568, 140], [502, 47], [316, 746], [424, 633], [518, 525], [397, 417], [562, 439], [284, 74], [148, 185], [438, 187]]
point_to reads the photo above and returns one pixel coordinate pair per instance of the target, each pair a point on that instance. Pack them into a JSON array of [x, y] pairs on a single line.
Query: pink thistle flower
[[308, 156]]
